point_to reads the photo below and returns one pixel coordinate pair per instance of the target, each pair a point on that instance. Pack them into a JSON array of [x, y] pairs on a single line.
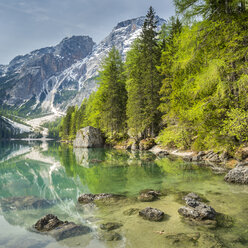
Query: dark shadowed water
[[60, 174]]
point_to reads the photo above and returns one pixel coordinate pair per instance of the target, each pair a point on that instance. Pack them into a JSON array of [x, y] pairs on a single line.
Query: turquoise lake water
[[59, 173]]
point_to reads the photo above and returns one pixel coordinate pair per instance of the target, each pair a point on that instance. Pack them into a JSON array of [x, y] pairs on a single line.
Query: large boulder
[[88, 137], [238, 175], [51, 225]]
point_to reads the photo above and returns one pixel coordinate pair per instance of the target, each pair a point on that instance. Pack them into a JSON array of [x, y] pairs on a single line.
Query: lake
[[58, 173]]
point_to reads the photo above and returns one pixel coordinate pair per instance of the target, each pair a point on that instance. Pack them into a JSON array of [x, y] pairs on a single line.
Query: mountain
[[25, 82], [57, 77], [11, 129]]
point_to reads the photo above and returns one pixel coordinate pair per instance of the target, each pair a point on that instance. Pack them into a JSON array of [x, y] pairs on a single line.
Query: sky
[[26, 25]]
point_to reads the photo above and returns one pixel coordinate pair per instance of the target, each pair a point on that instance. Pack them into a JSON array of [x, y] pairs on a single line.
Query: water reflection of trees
[[109, 170]]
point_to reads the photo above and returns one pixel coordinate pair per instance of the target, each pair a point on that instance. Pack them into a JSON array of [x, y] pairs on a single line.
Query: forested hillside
[[186, 85]]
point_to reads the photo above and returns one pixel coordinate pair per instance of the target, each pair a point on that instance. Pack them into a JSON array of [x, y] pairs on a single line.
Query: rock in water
[[88, 137], [88, 198], [238, 175], [152, 214], [148, 195], [50, 224], [196, 209], [131, 211], [110, 236], [110, 226]]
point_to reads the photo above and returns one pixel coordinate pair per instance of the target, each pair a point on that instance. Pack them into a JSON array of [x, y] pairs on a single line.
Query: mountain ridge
[[62, 75]]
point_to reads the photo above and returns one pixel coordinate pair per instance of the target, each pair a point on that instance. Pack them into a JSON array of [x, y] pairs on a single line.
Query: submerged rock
[[148, 195], [110, 226], [238, 175], [88, 137], [51, 225], [131, 211], [110, 236], [88, 198], [195, 239], [152, 214], [24, 202], [184, 237], [196, 209]]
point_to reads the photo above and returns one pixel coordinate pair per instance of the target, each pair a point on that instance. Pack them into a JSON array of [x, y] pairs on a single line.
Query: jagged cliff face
[[26, 80], [53, 78]]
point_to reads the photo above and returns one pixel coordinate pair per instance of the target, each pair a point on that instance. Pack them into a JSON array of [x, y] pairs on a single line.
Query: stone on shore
[[89, 137], [238, 175], [146, 144], [51, 225]]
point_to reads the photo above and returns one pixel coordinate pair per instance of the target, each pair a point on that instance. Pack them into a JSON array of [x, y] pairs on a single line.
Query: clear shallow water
[[57, 172]]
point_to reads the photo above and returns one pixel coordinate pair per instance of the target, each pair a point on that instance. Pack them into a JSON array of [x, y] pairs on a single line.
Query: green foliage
[[205, 84], [190, 82], [111, 94], [144, 81], [209, 8], [53, 128], [236, 124]]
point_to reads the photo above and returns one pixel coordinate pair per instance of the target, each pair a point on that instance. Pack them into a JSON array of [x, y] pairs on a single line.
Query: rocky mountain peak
[[76, 47], [59, 76]]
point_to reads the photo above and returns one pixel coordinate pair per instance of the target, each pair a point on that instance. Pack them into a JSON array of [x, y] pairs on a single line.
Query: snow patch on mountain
[[84, 73]]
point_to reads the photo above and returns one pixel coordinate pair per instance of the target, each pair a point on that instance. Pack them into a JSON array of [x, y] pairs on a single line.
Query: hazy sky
[[26, 25]]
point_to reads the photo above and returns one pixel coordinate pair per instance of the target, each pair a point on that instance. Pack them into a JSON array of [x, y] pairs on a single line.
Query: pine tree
[[142, 62], [209, 9], [111, 94]]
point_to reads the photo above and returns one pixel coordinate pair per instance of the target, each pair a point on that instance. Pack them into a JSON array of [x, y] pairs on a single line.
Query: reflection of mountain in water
[[9, 150], [35, 174]]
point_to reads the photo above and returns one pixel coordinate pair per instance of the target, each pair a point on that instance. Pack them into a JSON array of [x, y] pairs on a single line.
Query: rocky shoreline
[[219, 162]]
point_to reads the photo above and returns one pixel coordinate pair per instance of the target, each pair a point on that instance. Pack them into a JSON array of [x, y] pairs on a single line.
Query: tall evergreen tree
[[210, 8], [112, 94], [144, 79]]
